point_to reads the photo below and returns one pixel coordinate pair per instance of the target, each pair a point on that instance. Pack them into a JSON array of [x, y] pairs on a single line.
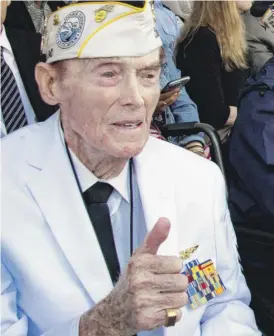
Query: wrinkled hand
[[149, 286], [166, 99]]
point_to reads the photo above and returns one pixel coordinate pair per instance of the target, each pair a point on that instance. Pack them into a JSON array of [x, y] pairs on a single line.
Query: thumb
[[155, 237]]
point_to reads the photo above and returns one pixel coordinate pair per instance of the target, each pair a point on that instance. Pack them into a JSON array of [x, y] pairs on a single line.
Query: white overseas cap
[[100, 29]]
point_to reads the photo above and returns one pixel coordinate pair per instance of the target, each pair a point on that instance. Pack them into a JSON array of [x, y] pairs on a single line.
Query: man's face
[[109, 102]]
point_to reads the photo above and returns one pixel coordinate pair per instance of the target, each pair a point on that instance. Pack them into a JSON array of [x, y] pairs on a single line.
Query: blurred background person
[[175, 105], [30, 15], [251, 190], [259, 22], [183, 9], [213, 54], [21, 103], [38, 11]]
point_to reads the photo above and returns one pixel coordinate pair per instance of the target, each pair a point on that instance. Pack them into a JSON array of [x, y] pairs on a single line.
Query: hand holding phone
[[178, 83], [166, 99]]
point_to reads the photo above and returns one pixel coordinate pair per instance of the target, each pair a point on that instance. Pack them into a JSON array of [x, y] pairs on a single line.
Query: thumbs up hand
[[150, 285], [155, 238]]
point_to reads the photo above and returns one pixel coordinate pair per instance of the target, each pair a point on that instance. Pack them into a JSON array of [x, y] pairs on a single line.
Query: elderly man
[[83, 190]]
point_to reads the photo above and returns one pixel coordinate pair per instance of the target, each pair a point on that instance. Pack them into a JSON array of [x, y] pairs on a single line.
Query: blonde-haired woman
[[213, 54]]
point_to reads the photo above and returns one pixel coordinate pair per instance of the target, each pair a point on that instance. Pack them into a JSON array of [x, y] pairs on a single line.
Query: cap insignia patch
[[71, 30]]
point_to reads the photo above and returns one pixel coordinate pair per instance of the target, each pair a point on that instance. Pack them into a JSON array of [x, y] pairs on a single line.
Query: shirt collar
[[87, 179], [4, 42]]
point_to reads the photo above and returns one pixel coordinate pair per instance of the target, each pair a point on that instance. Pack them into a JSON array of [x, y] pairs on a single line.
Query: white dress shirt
[[11, 62], [119, 207]]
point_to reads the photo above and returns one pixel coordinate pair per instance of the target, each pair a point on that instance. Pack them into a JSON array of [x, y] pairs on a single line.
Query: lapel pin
[[56, 20], [185, 254]]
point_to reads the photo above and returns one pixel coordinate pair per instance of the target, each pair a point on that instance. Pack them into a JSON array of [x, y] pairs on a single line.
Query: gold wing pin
[[187, 253], [102, 12]]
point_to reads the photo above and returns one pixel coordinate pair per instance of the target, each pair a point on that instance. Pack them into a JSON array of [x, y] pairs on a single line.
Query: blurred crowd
[[227, 50]]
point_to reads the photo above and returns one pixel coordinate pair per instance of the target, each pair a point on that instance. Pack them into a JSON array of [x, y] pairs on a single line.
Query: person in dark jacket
[[212, 53], [30, 15], [251, 191], [20, 52]]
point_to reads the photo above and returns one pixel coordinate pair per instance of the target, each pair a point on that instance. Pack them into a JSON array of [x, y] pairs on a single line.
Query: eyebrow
[[118, 60], [154, 66], [106, 60]]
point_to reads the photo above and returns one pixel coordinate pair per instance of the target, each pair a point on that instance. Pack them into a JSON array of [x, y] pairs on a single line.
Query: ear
[[46, 78]]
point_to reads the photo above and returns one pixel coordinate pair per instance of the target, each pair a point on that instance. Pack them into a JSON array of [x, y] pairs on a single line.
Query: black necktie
[[13, 112], [96, 198]]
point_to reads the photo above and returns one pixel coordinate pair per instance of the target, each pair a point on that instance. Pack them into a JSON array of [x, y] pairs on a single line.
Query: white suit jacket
[[53, 268]]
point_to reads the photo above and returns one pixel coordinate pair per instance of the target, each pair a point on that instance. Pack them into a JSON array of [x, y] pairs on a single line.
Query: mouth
[[128, 125]]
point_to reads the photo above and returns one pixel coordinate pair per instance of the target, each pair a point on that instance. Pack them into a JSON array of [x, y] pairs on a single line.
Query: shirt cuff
[[196, 137], [69, 328]]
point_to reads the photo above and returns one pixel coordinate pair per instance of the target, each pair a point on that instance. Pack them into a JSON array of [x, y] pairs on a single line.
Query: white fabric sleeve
[[229, 312], [15, 323]]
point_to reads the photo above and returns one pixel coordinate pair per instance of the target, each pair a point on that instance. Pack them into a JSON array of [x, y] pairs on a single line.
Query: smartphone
[[181, 82]]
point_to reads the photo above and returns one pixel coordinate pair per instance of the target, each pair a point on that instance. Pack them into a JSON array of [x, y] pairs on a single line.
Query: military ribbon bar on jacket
[[204, 282]]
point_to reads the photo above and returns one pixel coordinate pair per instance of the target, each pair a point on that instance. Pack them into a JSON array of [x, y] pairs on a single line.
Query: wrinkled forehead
[[151, 60]]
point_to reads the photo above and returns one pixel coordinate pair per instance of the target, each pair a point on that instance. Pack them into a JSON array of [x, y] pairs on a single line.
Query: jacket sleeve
[[259, 53], [229, 311], [261, 48], [251, 152], [13, 320], [185, 110]]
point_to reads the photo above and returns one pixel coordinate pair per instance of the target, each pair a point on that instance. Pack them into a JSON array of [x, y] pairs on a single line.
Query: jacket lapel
[[158, 199], [68, 219], [156, 196]]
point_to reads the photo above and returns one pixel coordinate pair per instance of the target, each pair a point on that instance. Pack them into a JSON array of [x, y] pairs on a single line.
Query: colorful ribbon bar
[[204, 282]]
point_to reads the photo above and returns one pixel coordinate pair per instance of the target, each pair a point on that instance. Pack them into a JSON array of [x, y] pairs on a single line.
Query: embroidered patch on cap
[[71, 30], [204, 283]]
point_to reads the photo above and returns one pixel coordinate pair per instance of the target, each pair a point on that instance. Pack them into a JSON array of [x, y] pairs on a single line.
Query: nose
[[131, 94]]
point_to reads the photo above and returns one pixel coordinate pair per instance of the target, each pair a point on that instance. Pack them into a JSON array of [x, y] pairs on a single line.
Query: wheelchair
[[188, 128]]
